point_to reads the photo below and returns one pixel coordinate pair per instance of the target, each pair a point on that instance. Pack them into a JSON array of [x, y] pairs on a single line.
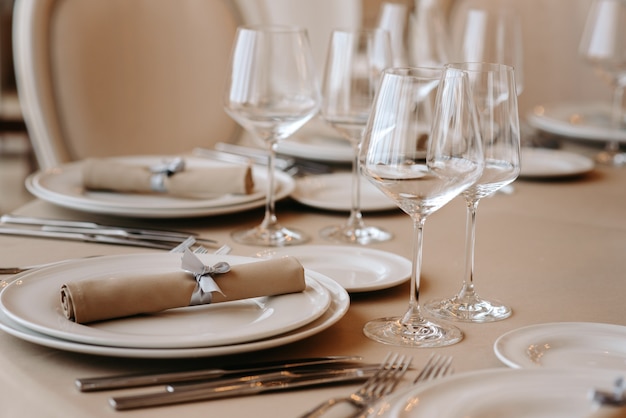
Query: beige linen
[[198, 182], [99, 299]]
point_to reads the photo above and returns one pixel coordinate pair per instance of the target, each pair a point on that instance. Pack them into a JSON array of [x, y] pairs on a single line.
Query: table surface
[[552, 249]]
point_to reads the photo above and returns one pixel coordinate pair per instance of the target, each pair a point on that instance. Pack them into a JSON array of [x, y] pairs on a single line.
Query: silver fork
[[383, 382], [436, 366]]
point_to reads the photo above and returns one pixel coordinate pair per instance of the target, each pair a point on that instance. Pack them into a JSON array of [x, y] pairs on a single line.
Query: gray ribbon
[[205, 285], [161, 171]]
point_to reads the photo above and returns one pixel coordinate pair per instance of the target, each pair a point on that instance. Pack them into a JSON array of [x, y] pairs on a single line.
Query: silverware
[[96, 228], [383, 382], [159, 378], [261, 384], [616, 397]]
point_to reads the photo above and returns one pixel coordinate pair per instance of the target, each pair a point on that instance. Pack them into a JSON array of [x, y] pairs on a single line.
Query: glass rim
[[272, 28], [479, 66]]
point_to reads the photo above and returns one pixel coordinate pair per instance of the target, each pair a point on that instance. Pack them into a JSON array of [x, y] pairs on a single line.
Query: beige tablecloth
[[553, 250]]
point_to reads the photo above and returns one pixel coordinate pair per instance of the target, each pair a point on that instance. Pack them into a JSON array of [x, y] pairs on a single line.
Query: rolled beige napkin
[[196, 182], [100, 299]]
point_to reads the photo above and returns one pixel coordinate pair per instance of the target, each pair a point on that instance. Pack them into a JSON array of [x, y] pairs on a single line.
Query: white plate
[[317, 147], [564, 345], [340, 302], [497, 393], [545, 163], [589, 121], [62, 186], [333, 192], [33, 302], [356, 269]]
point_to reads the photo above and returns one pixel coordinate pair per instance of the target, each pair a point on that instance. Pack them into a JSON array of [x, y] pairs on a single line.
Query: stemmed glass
[[355, 61], [603, 45], [493, 87], [420, 170], [272, 90]]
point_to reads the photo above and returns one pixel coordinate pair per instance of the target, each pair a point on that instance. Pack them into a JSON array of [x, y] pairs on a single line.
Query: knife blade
[[125, 381], [272, 384]]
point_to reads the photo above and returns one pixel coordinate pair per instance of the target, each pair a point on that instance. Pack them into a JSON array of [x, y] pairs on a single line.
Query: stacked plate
[[555, 368], [30, 309], [63, 186]]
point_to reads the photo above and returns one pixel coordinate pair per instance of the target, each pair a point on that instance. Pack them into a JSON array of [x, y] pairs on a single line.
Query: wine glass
[[355, 60], [420, 170], [429, 44], [490, 36], [493, 87], [603, 45], [272, 90]]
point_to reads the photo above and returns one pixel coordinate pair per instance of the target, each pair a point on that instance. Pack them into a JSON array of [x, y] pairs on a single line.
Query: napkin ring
[[161, 171], [203, 274]]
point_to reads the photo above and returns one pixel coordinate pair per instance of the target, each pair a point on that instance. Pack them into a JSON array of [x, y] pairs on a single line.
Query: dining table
[[554, 249]]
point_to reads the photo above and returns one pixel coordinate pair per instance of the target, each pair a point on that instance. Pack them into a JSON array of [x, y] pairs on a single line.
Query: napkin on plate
[[172, 177], [98, 299]]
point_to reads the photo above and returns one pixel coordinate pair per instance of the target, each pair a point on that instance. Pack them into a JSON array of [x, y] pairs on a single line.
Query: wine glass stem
[[355, 221], [270, 220], [413, 314], [616, 116], [470, 241]]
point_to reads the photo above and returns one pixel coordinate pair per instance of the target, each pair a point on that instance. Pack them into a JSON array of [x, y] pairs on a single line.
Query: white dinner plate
[[546, 163], [34, 302], [333, 192], [317, 147], [588, 121], [356, 269], [564, 345], [62, 186], [497, 393], [340, 302]]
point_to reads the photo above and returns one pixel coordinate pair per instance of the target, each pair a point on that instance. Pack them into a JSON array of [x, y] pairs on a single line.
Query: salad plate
[[548, 163], [564, 345]]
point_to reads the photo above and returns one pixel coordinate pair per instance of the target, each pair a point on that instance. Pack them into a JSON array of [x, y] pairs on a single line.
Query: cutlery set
[[94, 232]]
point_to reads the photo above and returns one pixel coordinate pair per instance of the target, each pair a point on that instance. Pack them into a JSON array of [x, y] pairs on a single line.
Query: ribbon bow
[[163, 170], [203, 274]]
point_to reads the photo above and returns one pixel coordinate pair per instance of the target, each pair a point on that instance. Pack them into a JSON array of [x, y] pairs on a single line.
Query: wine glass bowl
[[421, 148], [493, 89], [355, 61], [603, 46], [271, 91]]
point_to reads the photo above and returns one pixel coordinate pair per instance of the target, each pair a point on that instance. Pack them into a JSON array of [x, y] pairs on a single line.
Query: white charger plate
[[547, 163], [356, 269], [588, 121], [317, 147], [62, 186], [564, 345], [496, 393], [33, 301], [340, 302], [333, 192]]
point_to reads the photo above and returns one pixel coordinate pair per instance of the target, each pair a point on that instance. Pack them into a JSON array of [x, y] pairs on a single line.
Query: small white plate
[[340, 302], [546, 163], [588, 121], [33, 301], [333, 192], [496, 393], [62, 186], [356, 269], [317, 147], [564, 345]]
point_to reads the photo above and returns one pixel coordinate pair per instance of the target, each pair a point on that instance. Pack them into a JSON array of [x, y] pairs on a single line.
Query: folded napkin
[[99, 299], [173, 178]]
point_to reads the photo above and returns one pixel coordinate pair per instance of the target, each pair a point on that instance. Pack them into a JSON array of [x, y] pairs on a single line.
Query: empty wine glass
[[355, 60], [272, 90], [420, 170], [493, 87], [429, 44], [603, 45]]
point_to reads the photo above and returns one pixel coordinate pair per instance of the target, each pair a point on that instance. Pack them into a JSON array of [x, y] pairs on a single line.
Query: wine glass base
[[277, 236], [616, 159], [471, 310], [362, 235], [424, 333]]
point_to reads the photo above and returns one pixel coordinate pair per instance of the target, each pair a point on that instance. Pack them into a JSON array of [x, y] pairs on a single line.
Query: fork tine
[[436, 366]]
